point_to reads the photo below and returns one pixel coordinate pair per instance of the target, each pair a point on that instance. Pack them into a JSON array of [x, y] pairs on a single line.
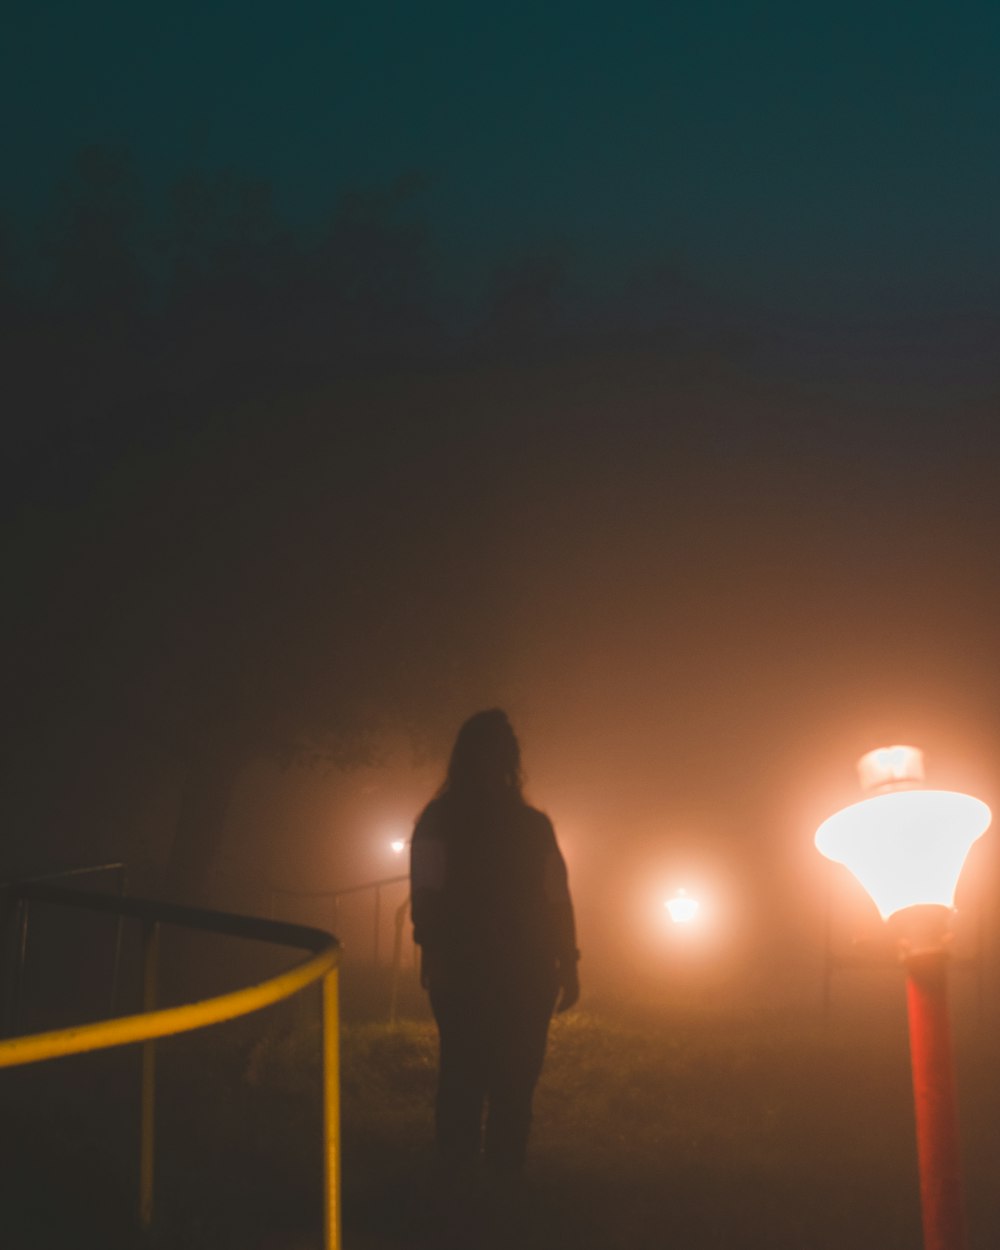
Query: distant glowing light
[[397, 846], [891, 766], [906, 846], [683, 909]]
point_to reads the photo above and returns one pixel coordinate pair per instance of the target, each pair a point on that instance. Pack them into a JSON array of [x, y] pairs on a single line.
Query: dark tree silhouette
[[527, 303], [95, 240], [202, 546], [373, 290], [260, 504], [230, 263]]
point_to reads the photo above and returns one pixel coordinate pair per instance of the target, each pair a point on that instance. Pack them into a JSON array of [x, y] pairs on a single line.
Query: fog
[[698, 605], [275, 528]]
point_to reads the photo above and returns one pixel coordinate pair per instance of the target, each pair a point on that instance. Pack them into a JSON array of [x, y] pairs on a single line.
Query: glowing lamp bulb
[[905, 846], [682, 908], [398, 846], [891, 767]]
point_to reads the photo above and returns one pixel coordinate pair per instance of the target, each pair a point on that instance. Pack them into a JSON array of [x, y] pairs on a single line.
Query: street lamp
[[906, 845]]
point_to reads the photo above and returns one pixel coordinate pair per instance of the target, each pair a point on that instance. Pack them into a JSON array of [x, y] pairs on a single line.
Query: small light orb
[[891, 766], [398, 846], [683, 909]]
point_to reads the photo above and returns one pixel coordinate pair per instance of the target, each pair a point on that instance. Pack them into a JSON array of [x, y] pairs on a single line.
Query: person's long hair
[[485, 762]]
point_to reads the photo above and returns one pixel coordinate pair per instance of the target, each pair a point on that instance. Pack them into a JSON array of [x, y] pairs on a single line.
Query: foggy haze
[[659, 412]]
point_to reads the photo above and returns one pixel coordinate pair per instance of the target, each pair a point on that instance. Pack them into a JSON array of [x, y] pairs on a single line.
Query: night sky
[[728, 524], [810, 159]]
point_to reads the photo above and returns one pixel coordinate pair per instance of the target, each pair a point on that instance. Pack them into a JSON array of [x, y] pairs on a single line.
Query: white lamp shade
[[906, 847]]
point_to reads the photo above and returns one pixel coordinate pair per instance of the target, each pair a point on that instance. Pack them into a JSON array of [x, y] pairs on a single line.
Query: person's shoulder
[[538, 822], [431, 819]]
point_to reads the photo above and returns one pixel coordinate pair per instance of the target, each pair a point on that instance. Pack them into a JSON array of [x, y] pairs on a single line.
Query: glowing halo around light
[[891, 767], [683, 909], [397, 846], [906, 847]]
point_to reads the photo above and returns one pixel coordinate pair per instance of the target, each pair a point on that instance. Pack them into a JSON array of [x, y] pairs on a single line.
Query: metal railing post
[[154, 1022], [378, 922], [7, 987], [116, 962], [397, 958], [330, 1041], [8, 918], [20, 957], [147, 1114]]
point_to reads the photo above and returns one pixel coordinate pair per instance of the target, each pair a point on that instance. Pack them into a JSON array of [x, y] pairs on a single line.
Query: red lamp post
[[906, 845]]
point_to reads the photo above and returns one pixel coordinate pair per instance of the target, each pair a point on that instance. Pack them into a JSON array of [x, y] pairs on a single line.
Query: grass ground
[[653, 1129], [665, 1131]]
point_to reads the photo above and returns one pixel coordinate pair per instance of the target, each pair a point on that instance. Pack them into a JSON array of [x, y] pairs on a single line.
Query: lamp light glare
[[891, 767], [398, 846], [683, 909], [906, 847]]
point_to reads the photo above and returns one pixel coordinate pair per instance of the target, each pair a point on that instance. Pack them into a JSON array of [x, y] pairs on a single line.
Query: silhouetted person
[[494, 921]]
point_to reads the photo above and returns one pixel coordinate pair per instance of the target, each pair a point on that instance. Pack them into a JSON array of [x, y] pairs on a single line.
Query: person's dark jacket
[[490, 895]]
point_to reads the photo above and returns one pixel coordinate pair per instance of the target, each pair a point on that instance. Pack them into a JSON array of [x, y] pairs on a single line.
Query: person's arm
[[562, 926], [428, 872]]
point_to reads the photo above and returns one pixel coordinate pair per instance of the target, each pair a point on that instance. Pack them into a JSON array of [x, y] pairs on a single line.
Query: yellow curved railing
[[322, 965]]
